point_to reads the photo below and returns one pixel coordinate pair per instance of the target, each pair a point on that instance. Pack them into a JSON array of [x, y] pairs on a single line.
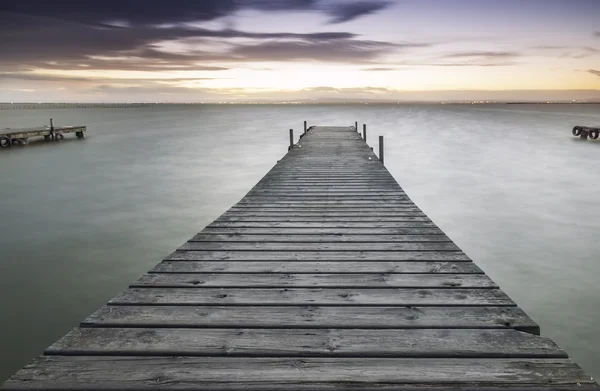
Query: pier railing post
[[52, 130], [365, 132], [304, 127], [381, 149], [291, 139]]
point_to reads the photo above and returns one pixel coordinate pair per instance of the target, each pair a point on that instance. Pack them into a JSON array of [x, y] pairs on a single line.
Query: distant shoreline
[[31, 106]]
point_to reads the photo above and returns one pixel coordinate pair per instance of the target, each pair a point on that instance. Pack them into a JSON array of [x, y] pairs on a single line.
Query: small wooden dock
[[325, 276], [10, 137]]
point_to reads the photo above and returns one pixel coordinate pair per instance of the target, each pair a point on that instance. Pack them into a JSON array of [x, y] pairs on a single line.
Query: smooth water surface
[[81, 219]]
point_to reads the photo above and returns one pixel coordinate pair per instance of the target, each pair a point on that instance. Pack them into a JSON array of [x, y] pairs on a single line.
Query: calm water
[[82, 219]]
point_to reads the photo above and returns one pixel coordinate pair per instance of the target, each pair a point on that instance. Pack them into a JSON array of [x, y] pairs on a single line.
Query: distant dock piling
[[583, 132], [10, 137]]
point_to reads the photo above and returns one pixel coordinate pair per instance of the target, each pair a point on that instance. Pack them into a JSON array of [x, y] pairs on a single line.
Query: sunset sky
[[244, 50]]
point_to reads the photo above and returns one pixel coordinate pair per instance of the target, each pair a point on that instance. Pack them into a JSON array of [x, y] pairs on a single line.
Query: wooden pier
[[325, 276], [10, 137]]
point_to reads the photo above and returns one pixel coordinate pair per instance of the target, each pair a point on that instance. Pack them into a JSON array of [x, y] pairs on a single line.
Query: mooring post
[[52, 130], [584, 134], [365, 132], [356, 125], [381, 149], [304, 127], [291, 138]]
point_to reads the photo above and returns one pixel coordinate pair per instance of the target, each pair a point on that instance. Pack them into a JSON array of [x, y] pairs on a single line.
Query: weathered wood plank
[[320, 238], [314, 296], [244, 342], [239, 373], [325, 193], [331, 246], [325, 201], [382, 196], [318, 224], [324, 280], [366, 317], [315, 267], [323, 214], [311, 231], [323, 208], [399, 256], [308, 219]]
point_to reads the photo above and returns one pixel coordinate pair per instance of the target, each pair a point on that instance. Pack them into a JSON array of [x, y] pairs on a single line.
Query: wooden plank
[[313, 317], [381, 196], [330, 246], [325, 201], [371, 256], [315, 267], [313, 296], [319, 238], [323, 280], [284, 219], [323, 208], [317, 224], [323, 214], [326, 232], [244, 342], [323, 188], [326, 193], [242, 373]]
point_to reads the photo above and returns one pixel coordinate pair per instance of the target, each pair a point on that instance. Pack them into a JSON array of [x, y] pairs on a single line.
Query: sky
[[290, 50]]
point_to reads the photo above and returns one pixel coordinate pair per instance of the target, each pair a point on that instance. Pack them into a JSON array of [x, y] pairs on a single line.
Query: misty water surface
[[82, 219]]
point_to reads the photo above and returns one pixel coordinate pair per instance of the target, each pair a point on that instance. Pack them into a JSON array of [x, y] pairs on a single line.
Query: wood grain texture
[[374, 233], [238, 373], [311, 316], [344, 267], [319, 246], [314, 296], [318, 238], [398, 256], [418, 343], [325, 280], [321, 224]]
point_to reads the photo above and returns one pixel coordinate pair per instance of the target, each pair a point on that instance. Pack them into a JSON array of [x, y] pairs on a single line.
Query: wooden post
[[356, 125], [52, 130], [365, 132], [381, 149], [291, 138], [304, 127]]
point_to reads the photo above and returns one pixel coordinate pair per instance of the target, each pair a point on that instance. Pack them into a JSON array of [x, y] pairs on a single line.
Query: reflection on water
[[82, 219]]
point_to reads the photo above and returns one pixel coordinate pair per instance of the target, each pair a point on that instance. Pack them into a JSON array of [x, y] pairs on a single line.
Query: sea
[[81, 219]]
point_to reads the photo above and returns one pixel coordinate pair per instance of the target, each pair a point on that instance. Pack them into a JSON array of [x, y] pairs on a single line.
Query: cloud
[[345, 12], [48, 43], [346, 50], [381, 69], [485, 54], [594, 72], [69, 78], [122, 13], [575, 52]]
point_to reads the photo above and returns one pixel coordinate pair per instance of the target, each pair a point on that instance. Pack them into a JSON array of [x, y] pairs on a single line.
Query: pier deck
[[10, 136], [325, 276]]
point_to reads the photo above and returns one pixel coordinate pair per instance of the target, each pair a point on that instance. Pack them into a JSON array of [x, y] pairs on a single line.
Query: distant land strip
[[58, 105]]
